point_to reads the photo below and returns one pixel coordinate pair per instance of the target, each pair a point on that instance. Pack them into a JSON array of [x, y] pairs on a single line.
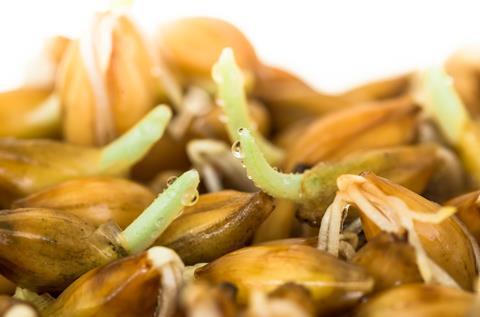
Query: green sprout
[[231, 96], [265, 176], [121, 154], [315, 188], [144, 230], [442, 102]]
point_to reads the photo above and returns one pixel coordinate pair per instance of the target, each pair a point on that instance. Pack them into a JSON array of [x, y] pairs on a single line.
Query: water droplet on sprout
[[237, 150], [171, 180], [190, 198], [242, 131]]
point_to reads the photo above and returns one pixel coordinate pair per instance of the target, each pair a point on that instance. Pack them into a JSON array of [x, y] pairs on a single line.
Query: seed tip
[[162, 111], [193, 173]]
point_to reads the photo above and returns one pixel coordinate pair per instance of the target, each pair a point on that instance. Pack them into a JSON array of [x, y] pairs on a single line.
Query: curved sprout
[[279, 185], [444, 104], [144, 230], [230, 84], [118, 156]]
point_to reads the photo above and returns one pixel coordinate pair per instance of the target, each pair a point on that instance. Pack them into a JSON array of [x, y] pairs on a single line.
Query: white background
[[331, 44]]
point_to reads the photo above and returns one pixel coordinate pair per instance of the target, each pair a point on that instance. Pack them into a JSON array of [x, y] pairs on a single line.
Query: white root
[[96, 50], [171, 283], [196, 103], [331, 237], [171, 267], [324, 228], [389, 213], [214, 161], [331, 226], [199, 152]]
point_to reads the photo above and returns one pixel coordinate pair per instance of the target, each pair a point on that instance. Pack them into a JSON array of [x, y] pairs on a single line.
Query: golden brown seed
[[417, 300], [145, 284], [96, 200], [446, 243], [334, 284], [290, 99], [280, 223], [156, 159], [217, 224], [212, 124], [390, 260], [373, 125], [192, 45], [106, 86], [468, 207], [288, 136], [32, 165], [45, 250], [381, 90]]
